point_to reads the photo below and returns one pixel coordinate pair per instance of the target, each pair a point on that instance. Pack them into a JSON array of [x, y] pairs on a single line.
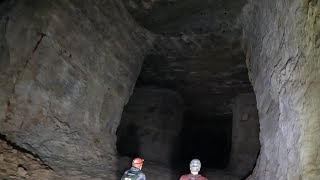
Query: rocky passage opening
[[156, 126], [193, 97], [172, 117]]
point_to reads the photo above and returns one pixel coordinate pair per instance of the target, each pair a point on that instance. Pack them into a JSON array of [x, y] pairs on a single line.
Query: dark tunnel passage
[[206, 139], [193, 97], [174, 116], [198, 138]]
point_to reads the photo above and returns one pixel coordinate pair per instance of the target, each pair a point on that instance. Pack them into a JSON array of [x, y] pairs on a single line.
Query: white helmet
[[195, 165]]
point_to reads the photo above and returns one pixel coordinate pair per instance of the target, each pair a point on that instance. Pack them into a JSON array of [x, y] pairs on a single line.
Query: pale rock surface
[[282, 44]]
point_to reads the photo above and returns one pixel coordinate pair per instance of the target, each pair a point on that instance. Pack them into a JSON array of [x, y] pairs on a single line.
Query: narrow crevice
[[5, 21], [22, 150]]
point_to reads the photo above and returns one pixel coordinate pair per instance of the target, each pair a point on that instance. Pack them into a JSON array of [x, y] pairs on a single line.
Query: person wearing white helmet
[[195, 166]]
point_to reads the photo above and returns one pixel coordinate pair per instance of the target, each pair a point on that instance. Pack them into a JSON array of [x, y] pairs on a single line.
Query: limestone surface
[[282, 44]]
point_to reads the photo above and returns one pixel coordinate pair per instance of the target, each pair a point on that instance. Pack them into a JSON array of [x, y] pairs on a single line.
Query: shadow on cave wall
[[128, 144]]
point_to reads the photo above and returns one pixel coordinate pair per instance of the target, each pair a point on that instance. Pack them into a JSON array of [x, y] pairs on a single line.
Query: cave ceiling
[[197, 51]]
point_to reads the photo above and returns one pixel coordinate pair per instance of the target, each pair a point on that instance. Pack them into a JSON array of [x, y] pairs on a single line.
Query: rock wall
[[18, 165], [283, 61], [245, 135], [150, 125], [67, 69]]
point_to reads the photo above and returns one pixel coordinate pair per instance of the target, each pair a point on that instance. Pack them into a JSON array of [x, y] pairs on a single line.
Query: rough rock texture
[[151, 124], [189, 53], [186, 16], [67, 69], [197, 68], [283, 60], [245, 135], [21, 165]]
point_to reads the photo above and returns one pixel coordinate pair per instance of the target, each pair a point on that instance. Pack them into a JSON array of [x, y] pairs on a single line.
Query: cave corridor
[[86, 86]]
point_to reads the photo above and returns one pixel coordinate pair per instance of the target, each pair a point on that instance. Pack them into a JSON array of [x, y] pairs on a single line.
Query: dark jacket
[[133, 171]]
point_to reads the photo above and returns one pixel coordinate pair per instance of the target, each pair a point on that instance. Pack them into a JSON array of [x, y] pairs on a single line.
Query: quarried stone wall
[[283, 61], [67, 70]]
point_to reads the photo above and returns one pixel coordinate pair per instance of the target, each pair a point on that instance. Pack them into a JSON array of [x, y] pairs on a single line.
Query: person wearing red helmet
[[135, 173]]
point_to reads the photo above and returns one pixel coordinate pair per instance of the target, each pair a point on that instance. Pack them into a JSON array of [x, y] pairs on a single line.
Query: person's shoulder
[[142, 174], [186, 176]]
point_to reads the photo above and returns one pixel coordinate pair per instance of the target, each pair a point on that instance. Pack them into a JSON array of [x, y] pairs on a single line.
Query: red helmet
[[137, 162]]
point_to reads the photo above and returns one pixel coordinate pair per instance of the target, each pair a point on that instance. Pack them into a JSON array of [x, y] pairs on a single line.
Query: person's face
[[140, 167], [194, 172]]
